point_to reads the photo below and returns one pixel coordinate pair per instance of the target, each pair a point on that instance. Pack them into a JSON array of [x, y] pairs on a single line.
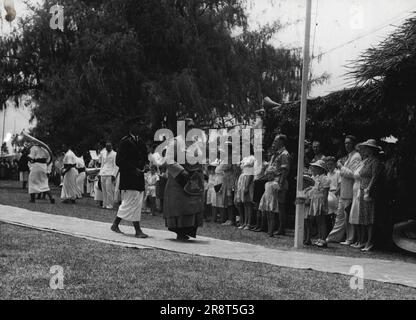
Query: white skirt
[[131, 205], [69, 186], [98, 194], [38, 179], [117, 194], [80, 183]]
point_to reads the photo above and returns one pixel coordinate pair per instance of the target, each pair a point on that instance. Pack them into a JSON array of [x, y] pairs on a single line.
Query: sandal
[[368, 249], [322, 244]]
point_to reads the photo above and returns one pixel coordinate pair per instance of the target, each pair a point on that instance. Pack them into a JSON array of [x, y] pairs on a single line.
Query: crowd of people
[[341, 195], [9, 169]]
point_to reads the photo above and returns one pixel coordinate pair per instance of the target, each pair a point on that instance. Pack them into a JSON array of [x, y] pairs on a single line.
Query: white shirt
[[335, 178], [37, 152], [70, 158], [108, 163], [80, 163], [155, 159]]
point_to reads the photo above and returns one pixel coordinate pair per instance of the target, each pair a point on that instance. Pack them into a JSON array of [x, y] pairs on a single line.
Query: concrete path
[[379, 270]]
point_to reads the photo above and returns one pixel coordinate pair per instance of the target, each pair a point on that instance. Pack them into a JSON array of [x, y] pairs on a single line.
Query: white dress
[[80, 177], [38, 178], [247, 167], [211, 195], [69, 187]]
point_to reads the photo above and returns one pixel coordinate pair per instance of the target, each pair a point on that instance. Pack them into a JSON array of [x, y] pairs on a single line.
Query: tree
[[160, 59]]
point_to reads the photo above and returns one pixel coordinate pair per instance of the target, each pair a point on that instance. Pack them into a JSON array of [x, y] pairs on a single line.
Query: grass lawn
[[98, 271], [11, 194]]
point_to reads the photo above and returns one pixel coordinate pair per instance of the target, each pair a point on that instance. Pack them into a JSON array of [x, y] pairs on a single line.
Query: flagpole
[[4, 127], [300, 200]]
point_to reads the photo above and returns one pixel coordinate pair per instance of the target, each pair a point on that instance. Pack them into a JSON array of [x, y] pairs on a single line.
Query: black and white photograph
[[208, 156]]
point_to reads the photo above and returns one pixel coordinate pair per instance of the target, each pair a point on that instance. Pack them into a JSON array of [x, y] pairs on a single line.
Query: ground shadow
[[190, 241]]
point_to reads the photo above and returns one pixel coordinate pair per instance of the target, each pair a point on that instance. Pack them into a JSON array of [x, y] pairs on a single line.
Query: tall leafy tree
[[162, 59]]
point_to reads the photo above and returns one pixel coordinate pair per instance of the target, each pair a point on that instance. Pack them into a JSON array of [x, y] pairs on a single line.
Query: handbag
[[218, 187], [195, 184]]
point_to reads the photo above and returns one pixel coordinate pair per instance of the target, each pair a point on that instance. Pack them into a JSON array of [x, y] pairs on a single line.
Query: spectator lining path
[[396, 272]]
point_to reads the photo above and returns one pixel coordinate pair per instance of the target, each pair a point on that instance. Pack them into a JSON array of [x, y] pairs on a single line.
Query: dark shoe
[[115, 229], [182, 238], [52, 201], [307, 242], [264, 222], [368, 248], [73, 201], [280, 233], [321, 244], [141, 235]]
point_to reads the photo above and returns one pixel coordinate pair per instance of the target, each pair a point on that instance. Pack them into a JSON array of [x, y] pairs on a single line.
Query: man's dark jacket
[[131, 155]]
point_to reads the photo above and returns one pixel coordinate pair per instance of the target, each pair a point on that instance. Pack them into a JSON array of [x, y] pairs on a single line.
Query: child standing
[[269, 203], [211, 200], [244, 193], [318, 203], [151, 180], [161, 185], [334, 177]]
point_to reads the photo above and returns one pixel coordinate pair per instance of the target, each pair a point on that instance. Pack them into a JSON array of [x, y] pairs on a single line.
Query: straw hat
[[370, 143], [320, 164]]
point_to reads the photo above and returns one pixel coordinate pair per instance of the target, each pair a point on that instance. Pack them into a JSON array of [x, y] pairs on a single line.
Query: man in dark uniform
[[24, 168], [131, 159]]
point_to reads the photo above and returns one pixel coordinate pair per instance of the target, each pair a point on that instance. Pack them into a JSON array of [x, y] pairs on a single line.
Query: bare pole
[[4, 126], [300, 199]]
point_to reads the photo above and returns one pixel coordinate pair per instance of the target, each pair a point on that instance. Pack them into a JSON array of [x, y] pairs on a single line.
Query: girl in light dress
[[210, 199], [244, 193], [269, 203], [224, 196], [334, 177], [151, 180], [224, 188], [318, 203]]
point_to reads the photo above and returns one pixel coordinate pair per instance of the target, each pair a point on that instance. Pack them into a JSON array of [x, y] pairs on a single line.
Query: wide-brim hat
[[215, 163], [370, 143], [320, 164]]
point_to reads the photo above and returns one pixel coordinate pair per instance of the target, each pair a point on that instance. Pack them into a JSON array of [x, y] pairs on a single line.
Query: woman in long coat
[[183, 206]]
